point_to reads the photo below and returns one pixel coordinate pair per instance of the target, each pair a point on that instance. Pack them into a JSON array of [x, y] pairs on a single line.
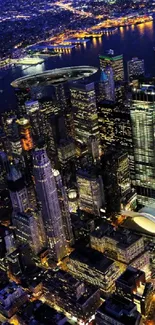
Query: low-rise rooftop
[[119, 309], [123, 237], [92, 258]]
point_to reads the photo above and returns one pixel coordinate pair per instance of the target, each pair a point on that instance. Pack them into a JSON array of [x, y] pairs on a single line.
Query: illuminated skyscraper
[[33, 111], [17, 189], [114, 61], [115, 128], [27, 230], [135, 68], [106, 85], [90, 188], [106, 124], [9, 242], [64, 206], [22, 96], [117, 185], [47, 195], [25, 134], [83, 101], [52, 127], [143, 126]]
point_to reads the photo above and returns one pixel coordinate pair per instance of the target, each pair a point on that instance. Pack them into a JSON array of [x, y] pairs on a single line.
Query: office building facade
[[27, 230], [143, 124], [25, 132], [114, 61], [17, 190], [33, 112], [83, 100], [135, 68], [94, 268], [64, 206], [119, 311], [119, 194], [90, 189], [48, 197]]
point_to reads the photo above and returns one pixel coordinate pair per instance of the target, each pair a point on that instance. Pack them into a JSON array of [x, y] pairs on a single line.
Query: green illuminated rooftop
[[111, 58]]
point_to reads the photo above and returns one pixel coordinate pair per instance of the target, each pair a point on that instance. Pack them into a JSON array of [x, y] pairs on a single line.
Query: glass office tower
[[114, 61], [85, 116], [135, 68], [143, 133]]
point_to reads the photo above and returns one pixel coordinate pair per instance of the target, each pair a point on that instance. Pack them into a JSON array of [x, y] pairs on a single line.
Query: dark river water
[[133, 41]]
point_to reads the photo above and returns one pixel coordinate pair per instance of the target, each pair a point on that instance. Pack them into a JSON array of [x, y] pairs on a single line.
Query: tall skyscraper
[[114, 61], [106, 122], [83, 101], [143, 126], [106, 85], [9, 242], [135, 68], [17, 189], [64, 205], [33, 112], [117, 185], [22, 96], [115, 128], [52, 127], [27, 230], [25, 134], [48, 197], [90, 188]]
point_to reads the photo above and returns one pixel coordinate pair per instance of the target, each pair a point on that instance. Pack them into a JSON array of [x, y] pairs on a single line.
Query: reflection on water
[[84, 45], [121, 30], [141, 28], [132, 41], [146, 27], [100, 40], [94, 42]]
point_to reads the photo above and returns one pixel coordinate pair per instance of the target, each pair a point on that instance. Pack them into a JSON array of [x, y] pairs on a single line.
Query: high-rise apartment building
[[143, 126], [17, 189], [114, 61], [48, 197], [83, 101], [135, 68]]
